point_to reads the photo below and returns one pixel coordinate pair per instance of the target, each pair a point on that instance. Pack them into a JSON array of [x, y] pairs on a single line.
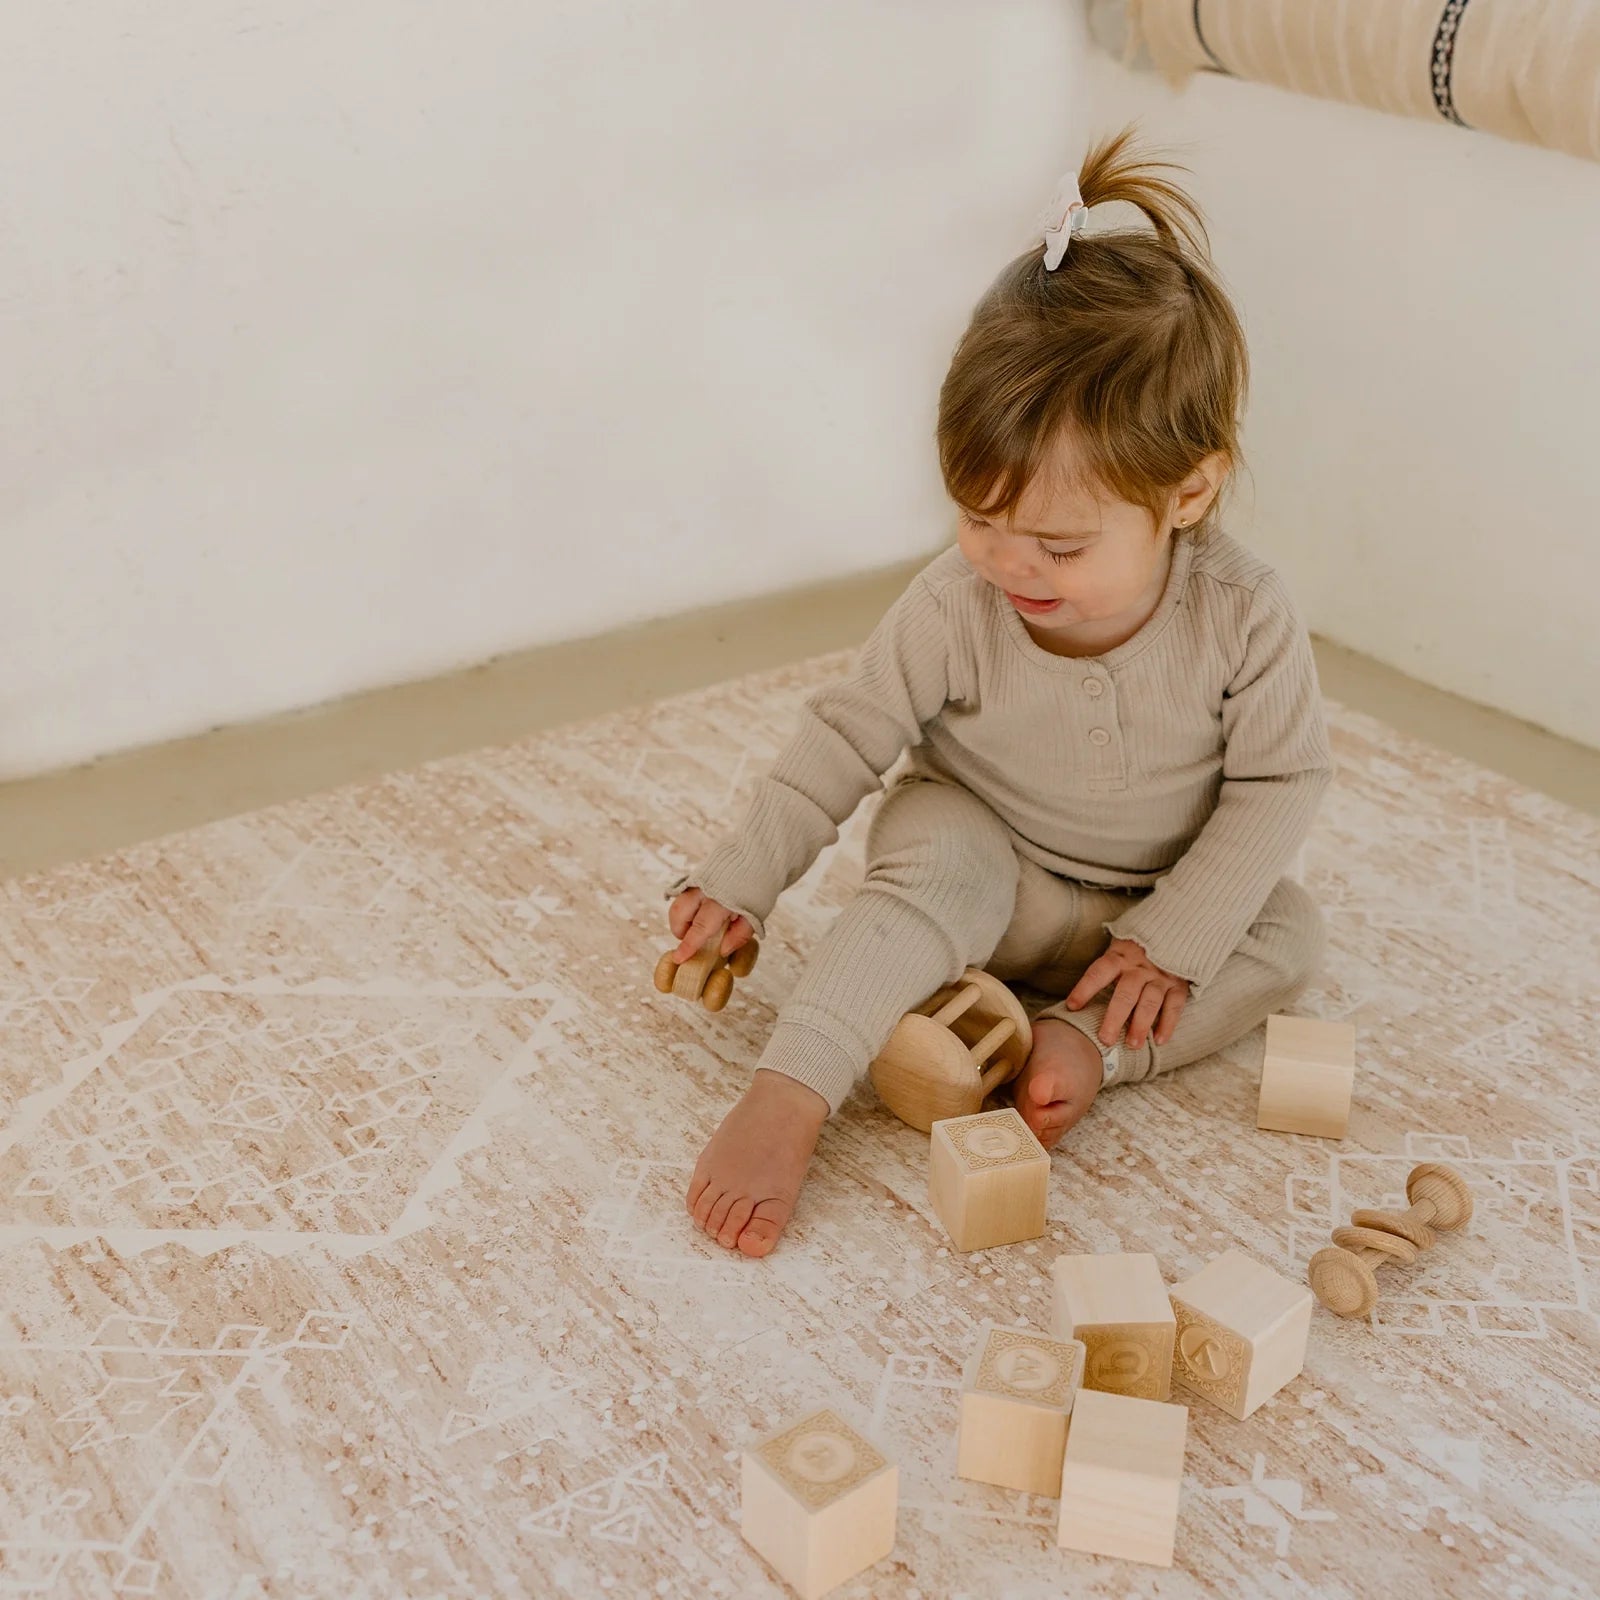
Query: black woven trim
[[1200, 34], [1444, 54]]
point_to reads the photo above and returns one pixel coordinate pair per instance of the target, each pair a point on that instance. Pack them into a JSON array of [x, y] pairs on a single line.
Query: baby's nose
[[1016, 572]]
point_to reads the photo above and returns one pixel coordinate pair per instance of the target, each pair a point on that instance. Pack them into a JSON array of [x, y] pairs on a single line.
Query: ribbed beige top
[[1189, 759]]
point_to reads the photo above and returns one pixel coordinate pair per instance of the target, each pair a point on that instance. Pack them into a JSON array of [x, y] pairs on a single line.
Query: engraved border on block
[[1098, 1336], [960, 1131], [868, 1459], [1227, 1390], [1060, 1352]]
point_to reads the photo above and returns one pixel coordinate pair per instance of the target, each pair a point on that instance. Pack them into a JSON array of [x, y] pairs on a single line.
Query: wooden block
[[1118, 1306], [818, 1503], [988, 1178], [1016, 1395], [1120, 1477], [1241, 1332], [1307, 1077]]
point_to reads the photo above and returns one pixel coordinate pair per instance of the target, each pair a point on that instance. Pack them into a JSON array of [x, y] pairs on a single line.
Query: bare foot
[[1059, 1080], [748, 1177]]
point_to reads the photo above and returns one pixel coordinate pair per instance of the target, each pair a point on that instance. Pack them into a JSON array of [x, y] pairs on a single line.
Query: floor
[[342, 1248], [118, 801]]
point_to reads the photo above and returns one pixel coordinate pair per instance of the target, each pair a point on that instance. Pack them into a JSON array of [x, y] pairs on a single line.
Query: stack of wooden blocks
[[1085, 1411]]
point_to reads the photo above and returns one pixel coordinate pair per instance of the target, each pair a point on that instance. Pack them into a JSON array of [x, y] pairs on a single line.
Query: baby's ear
[[1198, 492]]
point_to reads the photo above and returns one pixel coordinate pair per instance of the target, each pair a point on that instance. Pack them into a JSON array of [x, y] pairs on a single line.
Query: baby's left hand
[[1143, 992]]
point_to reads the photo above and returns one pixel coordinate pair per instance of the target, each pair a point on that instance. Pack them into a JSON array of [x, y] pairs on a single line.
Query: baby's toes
[[707, 1202], [761, 1232], [1051, 1125], [1044, 1087], [733, 1223], [718, 1214], [1046, 1120]]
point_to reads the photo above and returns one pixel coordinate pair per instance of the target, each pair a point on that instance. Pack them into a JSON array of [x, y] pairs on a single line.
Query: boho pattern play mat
[[342, 1250]]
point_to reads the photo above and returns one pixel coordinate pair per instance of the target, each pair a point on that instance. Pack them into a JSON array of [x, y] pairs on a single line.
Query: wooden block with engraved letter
[[1016, 1394], [818, 1503], [1241, 1332], [988, 1178], [1118, 1306]]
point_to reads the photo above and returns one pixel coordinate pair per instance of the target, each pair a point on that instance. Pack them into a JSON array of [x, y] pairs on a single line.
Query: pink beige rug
[[342, 1250]]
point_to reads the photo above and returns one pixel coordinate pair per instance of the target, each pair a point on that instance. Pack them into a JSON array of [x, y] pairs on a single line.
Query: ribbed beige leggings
[[945, 889]]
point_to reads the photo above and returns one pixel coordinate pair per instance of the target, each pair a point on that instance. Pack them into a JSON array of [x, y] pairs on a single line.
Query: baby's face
[[1087, 556]]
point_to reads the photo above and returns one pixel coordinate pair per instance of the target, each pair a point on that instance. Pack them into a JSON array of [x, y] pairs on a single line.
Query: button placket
[[1107, 769]]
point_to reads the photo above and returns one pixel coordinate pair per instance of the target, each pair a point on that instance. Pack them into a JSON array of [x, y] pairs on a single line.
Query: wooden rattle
[[946, 1057], [1342, 1275], [706, 976]]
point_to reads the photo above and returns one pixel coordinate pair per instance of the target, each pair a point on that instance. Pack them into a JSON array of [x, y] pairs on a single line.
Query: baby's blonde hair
[[1130, 347]]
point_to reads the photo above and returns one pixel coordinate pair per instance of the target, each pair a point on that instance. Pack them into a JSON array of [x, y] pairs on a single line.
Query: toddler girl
[[1113, 735]]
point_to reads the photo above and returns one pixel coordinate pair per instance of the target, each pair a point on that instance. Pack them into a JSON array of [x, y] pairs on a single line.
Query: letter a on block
[[1242, 1332]]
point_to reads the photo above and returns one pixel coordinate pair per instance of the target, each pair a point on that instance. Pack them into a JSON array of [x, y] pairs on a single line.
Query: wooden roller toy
[[949, 1055], [1342, 1275], [706, 976]]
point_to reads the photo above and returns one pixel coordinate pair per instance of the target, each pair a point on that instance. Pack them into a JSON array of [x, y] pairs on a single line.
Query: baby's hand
[[696, 919], [1143, 992]]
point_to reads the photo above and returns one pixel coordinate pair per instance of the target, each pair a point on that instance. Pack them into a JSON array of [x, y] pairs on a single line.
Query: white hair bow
[[1064, 216]]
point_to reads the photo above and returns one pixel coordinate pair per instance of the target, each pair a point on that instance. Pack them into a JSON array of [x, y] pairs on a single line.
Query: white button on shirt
[[1094, 686], [1099, 736]]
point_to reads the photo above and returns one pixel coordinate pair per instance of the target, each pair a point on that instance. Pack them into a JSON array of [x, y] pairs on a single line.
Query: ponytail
[[1114, 171]]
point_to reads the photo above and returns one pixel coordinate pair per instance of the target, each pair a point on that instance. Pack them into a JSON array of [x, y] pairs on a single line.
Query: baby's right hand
[[696, 919]]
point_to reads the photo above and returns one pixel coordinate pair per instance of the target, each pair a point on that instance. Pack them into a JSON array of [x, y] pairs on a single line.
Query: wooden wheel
[[718, 987], [1396, 1222], [1344, 1283], [1445, 1190], [1390, 1244]]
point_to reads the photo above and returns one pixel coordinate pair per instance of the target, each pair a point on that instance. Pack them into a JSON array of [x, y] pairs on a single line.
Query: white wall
[[346, 343], [1423, 306]]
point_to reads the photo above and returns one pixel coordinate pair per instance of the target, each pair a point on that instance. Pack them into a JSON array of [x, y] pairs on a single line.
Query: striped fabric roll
[[1524, 69]]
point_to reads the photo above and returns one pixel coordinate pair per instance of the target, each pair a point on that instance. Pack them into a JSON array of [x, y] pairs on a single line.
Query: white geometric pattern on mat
[[614, 1508], [136, 1384], [649, 1241], [1475, 880], [1276, 1503], [336, 881], [362, 1100], [391, 1056]]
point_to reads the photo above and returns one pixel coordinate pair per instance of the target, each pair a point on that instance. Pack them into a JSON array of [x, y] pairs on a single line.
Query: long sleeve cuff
[[1197, 915], [709, 882], [1122, 1063]]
